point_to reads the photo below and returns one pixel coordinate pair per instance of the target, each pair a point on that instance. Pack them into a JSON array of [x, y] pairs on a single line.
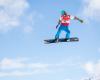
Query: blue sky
[[25, 24]]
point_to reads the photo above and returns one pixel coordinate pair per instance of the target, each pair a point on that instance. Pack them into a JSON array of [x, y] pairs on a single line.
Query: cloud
[[21, 67], [89, 66], [8, 63], [93, 69], [17, 14], [10, 13], [67, 79], [15, 73], [91, 9]]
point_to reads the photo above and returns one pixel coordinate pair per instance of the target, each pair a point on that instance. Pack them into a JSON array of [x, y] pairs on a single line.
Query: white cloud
[[93, 69], [10, 13], [89, 66], [15, 73], [18, 14], [67, 79], [26, 67], [7, 63], [91, 9], [21, 67]]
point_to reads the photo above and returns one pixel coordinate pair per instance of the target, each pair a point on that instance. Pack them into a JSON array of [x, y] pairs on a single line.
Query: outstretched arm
[[76, 18], [58, 24]]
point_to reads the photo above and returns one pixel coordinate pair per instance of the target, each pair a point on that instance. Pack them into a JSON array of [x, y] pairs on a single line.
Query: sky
[[25, 24]]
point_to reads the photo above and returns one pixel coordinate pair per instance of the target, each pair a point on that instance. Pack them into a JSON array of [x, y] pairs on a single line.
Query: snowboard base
[[73, 39]]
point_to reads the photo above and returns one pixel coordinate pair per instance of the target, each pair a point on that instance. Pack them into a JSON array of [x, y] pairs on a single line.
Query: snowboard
[[72, 39]]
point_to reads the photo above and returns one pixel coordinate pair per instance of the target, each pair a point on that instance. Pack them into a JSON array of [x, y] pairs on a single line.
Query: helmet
[[62, 12]]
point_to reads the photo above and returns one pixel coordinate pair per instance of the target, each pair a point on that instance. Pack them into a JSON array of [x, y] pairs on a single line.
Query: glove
[[56, 26], [81, 21]]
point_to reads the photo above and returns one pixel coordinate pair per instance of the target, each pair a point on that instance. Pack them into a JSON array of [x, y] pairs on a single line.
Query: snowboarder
[[64, 23]]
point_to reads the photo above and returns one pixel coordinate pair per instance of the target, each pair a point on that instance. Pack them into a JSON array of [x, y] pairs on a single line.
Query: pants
[[63, 28]]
